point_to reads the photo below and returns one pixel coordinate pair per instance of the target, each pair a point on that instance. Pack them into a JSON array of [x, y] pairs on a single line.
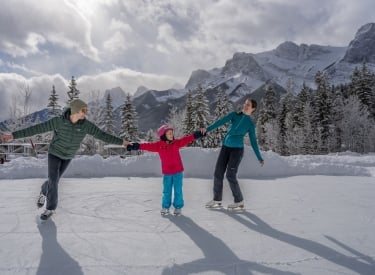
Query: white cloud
[[41, 86], [127, 79], [26, 26]]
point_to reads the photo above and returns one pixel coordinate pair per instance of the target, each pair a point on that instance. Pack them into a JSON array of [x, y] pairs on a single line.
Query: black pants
[[229, 159], [56, 167]]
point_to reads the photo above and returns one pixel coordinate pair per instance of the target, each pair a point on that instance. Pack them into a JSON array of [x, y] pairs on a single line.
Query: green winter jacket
[[241, 125], [67, 136]]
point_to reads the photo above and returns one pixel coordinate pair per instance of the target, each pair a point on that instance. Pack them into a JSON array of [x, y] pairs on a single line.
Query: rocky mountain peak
[[197, 77], [117, 95], [288, 50], [140, 91], [361, 48], [244, 63]]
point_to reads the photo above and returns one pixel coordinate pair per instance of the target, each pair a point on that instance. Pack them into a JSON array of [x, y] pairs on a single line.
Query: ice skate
[[236, 206], [41, 200], [213, 204], [164, 211], [177, 212], [46, 214]]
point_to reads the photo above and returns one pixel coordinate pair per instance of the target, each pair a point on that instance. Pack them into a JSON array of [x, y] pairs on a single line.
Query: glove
[[133, 146], [198, 134]]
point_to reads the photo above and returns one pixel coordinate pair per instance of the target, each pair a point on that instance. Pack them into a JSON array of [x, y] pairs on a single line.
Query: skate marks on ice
[[54, 259], [218, 257], [357, 262]]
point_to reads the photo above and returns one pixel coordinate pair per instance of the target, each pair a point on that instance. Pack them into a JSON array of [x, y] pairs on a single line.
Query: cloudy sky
[[157, 44]]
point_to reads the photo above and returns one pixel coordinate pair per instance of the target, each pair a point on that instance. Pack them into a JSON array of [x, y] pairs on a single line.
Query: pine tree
[[266, 115], [286, 124], [90, 145], [129, 127], [188, 123], [73, 92], [54, 108], [223, 106], [336, 138], [357, 125], [107, 122], [201, 116], [363, 86], [174, 120], [323, 105], [151, 136]]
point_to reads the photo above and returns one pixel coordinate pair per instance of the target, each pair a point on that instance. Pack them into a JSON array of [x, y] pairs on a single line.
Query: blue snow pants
[[172, 182]]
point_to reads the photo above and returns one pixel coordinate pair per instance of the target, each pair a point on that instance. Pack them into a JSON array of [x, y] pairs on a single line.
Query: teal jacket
[[241, 125], [67, 136]]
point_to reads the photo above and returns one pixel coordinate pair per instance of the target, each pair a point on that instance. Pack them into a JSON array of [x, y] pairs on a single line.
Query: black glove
[[133, 146], [198, 134]]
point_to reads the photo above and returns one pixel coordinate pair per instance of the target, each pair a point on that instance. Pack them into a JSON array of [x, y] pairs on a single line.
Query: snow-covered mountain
[[290, 62]]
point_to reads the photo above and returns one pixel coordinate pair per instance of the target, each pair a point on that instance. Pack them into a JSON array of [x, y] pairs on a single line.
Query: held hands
[[6, 137], [125, 142], [132, 146], [199, 134]]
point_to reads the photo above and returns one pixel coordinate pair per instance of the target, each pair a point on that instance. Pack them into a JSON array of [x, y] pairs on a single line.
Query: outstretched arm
[[43, 127], [220, 122]]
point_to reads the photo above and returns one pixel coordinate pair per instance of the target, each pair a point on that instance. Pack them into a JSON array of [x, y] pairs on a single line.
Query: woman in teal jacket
[[231, 152], [69, 130]]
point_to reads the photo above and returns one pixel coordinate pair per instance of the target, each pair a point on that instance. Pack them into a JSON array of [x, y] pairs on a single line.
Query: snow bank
[[199, 163]]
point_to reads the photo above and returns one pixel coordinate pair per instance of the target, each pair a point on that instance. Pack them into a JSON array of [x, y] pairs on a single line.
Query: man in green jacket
[[231, 153], [69, 130]]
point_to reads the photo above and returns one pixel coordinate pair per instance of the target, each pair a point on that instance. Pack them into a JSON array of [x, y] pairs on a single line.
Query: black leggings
[[229, 159], [56, 167]]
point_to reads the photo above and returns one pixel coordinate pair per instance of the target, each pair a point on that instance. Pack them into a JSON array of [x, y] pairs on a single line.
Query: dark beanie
[[77, 105]]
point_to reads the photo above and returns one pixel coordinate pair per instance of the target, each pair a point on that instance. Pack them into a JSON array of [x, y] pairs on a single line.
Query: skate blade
[[236, 209], [215, 207], [40, 221]]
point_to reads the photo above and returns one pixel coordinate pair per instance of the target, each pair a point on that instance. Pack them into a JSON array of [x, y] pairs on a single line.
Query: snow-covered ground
[[304, 215]]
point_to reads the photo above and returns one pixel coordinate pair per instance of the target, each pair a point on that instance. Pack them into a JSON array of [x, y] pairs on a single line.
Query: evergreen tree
[[357, 125], [286, 124], [174, 120], [201, 115], [54, 108], [91, 145], [323, 105], [223, 107], [336, 139], [363, 86], [266, 115], [188, 123], [151, 136], [73, 92], [107, 123], [129, 127]]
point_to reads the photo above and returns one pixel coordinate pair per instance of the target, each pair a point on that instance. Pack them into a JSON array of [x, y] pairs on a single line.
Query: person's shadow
[[217, 255], [54, 259], [359, 263]]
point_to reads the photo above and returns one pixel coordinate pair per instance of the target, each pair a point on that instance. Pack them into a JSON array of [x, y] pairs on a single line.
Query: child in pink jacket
[[168, 148]]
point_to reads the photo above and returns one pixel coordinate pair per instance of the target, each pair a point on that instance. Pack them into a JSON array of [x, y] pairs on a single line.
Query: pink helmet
[[163, 129]]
